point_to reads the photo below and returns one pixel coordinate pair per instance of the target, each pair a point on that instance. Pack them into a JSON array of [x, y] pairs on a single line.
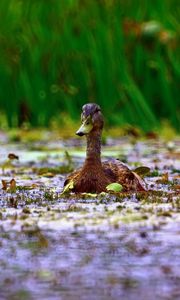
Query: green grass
[[57, 55]]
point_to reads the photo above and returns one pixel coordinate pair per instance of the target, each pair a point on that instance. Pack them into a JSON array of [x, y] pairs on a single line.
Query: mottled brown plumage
[[95, 175]]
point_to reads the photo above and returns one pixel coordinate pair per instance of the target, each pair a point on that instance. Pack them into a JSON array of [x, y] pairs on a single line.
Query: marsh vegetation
[[124, 55], [87, 246]]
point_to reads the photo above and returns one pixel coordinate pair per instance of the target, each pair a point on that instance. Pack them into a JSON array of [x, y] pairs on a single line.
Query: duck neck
[[93, 150]]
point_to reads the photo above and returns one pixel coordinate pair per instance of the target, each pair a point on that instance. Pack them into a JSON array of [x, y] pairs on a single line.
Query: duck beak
[[84, 129], [79, 132]]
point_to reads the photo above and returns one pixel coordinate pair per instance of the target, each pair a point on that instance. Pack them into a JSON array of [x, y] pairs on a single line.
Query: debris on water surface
[[56, 242], [13, 156], [142, 171]]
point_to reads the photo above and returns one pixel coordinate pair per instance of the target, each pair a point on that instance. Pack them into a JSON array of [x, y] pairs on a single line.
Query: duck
[[94, 176]]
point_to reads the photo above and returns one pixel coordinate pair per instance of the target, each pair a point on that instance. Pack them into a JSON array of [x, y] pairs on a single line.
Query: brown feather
[[94, 180]]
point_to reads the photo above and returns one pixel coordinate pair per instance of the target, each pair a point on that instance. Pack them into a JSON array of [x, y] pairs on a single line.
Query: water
[[86, 247]]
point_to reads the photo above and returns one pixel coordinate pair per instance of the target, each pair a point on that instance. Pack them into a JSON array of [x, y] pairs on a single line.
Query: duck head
[[91, 119]]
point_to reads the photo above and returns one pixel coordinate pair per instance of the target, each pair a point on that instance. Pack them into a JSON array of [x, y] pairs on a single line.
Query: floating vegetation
[[114, 187], [56, 240]]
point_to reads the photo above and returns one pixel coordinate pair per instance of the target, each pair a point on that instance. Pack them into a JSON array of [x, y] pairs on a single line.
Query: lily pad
[[114, 187]]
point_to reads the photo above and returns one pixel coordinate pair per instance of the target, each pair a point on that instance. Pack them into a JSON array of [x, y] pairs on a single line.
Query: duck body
[[96, 179], [95, 176]]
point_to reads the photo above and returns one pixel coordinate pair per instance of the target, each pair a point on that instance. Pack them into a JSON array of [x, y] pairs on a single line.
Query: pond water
[[119, 246]]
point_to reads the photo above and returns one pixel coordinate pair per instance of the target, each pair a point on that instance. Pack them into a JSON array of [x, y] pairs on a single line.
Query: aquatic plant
[[56, 55]]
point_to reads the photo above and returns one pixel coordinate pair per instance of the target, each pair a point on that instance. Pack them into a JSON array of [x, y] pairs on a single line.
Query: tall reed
[[57, 55]]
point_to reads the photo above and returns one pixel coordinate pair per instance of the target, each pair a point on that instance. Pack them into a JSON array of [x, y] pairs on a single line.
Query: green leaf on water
[[114, 187], [142, 171], [68, 188]]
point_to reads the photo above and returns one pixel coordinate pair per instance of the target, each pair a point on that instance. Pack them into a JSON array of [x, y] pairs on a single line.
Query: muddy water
[[88, 246]]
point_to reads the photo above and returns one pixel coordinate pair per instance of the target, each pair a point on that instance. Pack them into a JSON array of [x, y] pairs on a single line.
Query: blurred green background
[[56, 55]]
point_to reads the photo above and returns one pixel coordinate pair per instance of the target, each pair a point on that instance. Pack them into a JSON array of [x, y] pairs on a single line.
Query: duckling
[[94, 176]]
